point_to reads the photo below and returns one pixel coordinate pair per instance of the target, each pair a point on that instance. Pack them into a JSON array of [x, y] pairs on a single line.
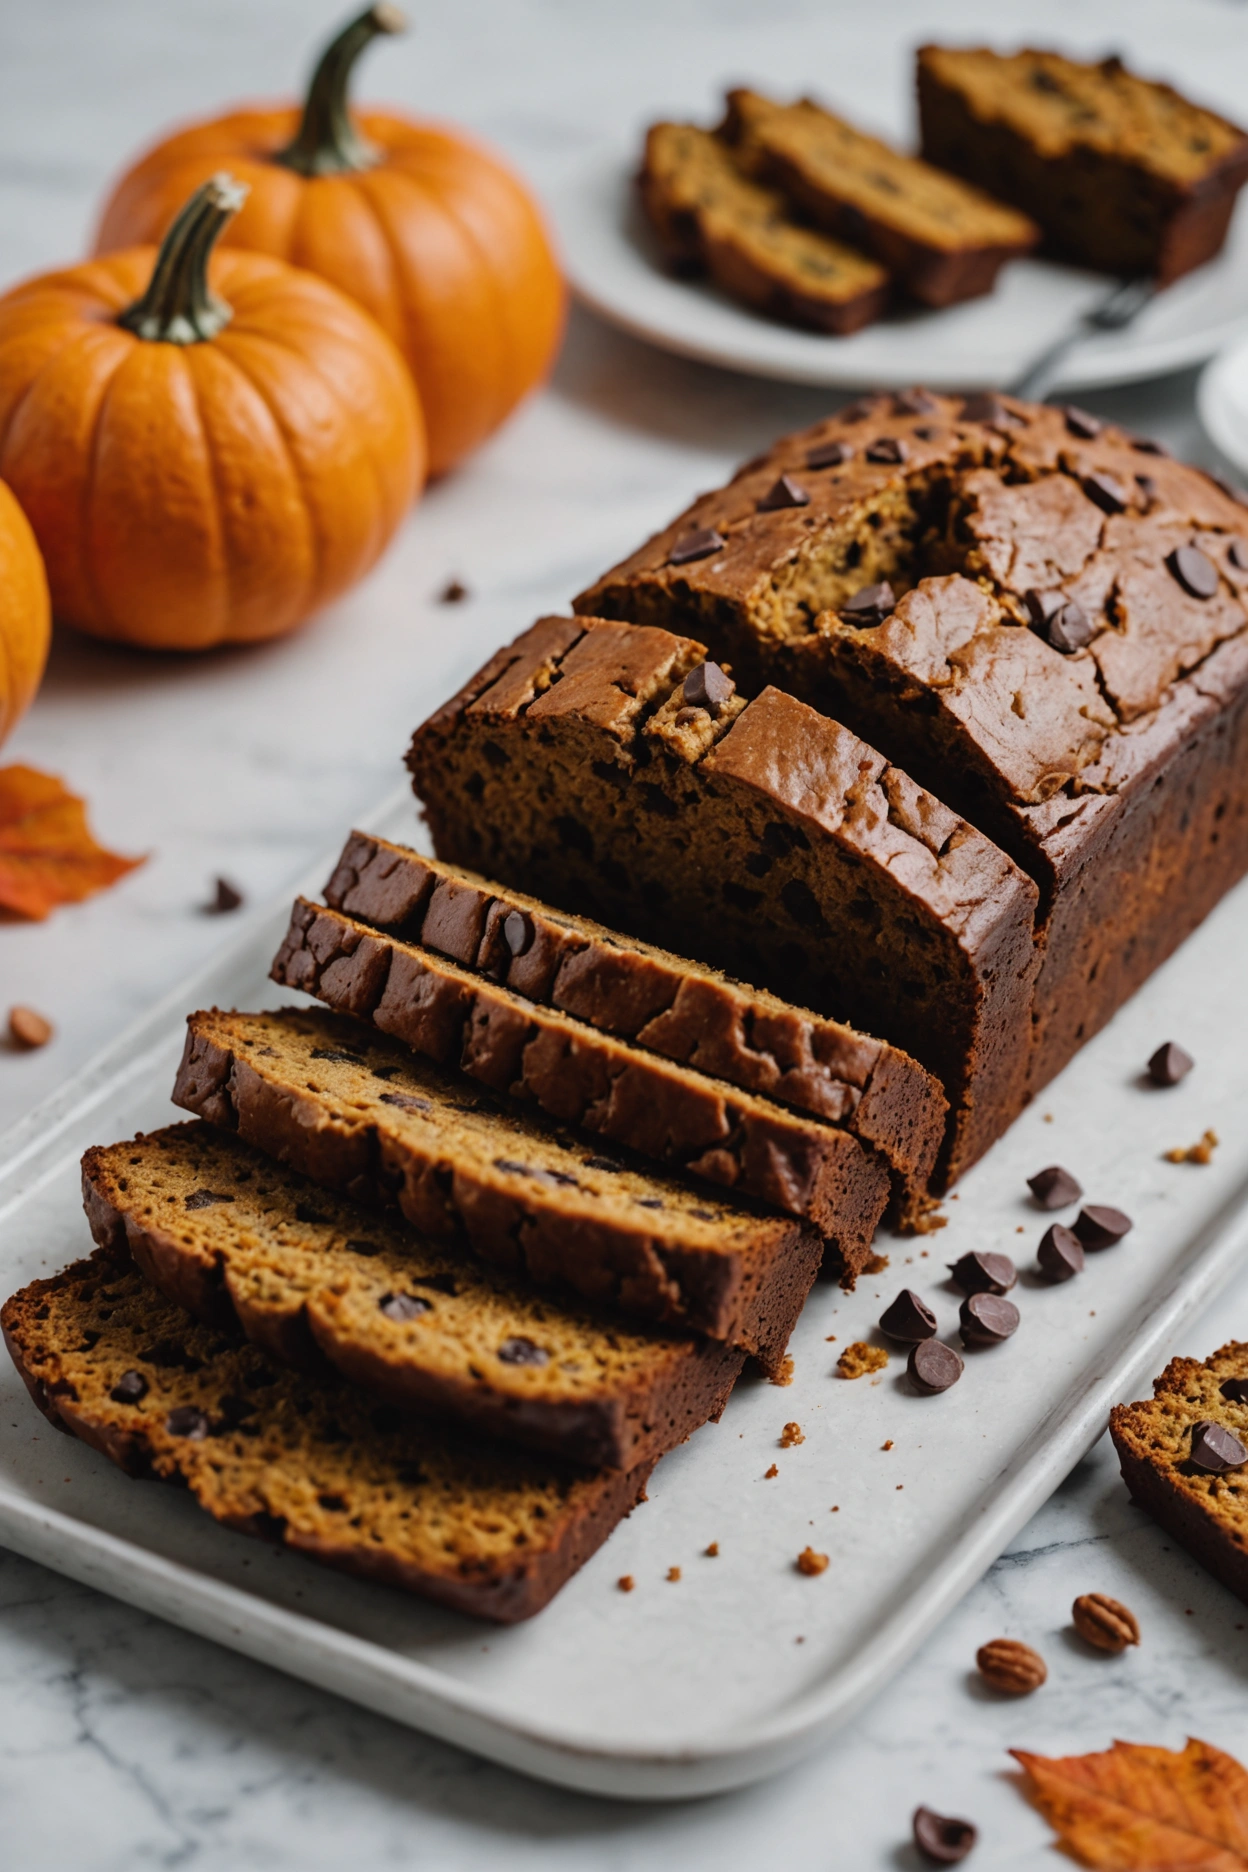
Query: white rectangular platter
[[688, 1686]]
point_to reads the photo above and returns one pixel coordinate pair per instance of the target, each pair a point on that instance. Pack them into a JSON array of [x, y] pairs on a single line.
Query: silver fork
[[1113, 313]]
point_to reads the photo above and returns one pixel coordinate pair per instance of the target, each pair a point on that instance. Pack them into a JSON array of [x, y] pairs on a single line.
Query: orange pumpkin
[[435, 237], [25, 613], [201, 463]]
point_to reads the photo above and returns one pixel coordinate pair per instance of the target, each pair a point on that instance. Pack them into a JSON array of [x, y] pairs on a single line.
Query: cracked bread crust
[[310, 1464], [1116, 775], [582, 1077], [362, 1115], [790, 852], [320, 1284], [681, 1009], [1206, 1514]]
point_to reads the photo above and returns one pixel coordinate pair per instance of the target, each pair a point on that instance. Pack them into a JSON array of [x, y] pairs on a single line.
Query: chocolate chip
[[926, 433], [1101, 1227], [941, 1840], [914, 403], [337, 1056], [1145, 445], [1054, 1187], [1147, 486], [1196, 573], [1042, 605], [1081, 422], [204, 1199], [908, 1319], [518, 932], [857, 412], [1060, 1253], [1169, 1064], [707, 687], [130, 1388], [983, 1273], [453, 592], [1107, 492], [407, 1101], [987, 1319], [1216, 1449], [401, 1306], [829, 455], [517, 1169], [1237, 553], [984, 407], [1069, 629], [1235, 1390], [887, 449], [786, 492], [603, 1163], [649, 1202], [699, 544], [187, 1421], [933, 1366], [870, 604], [224, 899], [521, 1351]]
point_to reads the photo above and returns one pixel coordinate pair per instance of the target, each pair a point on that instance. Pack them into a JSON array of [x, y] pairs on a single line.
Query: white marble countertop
[[124, 1742]]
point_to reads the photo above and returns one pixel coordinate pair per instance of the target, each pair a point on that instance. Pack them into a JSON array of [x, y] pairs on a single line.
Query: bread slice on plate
[[311, 1465], [319, 1282]]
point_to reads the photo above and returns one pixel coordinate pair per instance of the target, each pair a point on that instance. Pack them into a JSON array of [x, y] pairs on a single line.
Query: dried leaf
[[47, 854], [1134, 1808]]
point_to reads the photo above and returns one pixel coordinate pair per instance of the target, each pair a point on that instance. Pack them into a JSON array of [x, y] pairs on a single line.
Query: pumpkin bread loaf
[[317, 1282], [1123, 174], [941, 239], [315, 1466], [360, 1114], [1057, 648], [709, 217], [1184, 1457], [684, 1010], [580, 1076], [579, 762]]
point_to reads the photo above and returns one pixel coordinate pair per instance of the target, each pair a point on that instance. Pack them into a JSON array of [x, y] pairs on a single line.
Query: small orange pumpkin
[[25, 613], [433, 235], [201, 463]]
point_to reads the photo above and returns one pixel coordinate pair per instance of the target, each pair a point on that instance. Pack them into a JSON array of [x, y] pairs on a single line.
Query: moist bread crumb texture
[[318, 1283], [1206, 1512], [312, 1464]]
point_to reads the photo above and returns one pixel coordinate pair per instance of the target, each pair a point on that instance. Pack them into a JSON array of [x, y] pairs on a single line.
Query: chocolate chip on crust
[[784, 492], [829, 455], [1081, 422], [708, 687], [1107, 492], [700, 544], [1194, 571], [1215, 1449]]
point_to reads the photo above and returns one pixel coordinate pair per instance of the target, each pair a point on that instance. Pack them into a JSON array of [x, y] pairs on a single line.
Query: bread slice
[[941, 238], [1123, 174], [682, 1009], [314, 1466], [1206, 1513], [778, 843], [709, 217], [580, 1076], [360, 1114], [317, 1282]]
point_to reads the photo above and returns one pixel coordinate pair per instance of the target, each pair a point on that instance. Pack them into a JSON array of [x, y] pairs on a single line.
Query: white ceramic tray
[[744, 1664], [988, 343]]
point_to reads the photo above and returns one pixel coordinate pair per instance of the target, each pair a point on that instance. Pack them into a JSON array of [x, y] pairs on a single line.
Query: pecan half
[[1010, 1666], [1104, 1622]]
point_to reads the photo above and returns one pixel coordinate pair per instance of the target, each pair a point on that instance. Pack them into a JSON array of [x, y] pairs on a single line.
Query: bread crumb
[[785, 1374], [928, 1223], [887, 1445], [791, 1434], [810, 1562], [1201, 1153], [773, 1471], [1020, 1230], [27, 1029], [875, 1264], [626, 1582], [835, 1508], [799, 1641], [673, 1572], [831, 1339], [901, 1485], [1048, 1117], [453, 592], [859, 1358], [712, 1551]]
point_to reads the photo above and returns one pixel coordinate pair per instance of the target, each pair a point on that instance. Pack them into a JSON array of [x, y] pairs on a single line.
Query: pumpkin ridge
[[90, 576], [316, 594], [218, 491]]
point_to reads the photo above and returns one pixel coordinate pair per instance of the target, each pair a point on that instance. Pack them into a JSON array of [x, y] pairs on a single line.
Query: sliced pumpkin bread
[[315, 1281], [360, 1114], [311, 1464], [580, 1076], [685, 1010], [942, 238], [710, 217]]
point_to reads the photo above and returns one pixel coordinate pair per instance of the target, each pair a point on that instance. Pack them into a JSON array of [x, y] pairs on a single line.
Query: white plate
[[682, 1689], [613, 265], [1222, 405]]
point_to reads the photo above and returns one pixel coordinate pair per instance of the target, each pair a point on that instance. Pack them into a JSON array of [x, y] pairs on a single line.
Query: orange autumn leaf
[[1134, 1808], [47, 854]]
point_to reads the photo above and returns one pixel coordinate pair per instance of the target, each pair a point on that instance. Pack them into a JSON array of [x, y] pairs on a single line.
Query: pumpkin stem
[[179, 306], [328, 143]]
